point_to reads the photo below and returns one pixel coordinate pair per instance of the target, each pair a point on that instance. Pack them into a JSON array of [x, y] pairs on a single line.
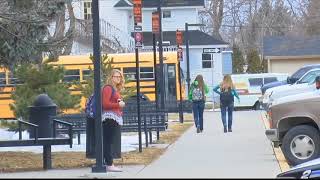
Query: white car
[[305, 84]]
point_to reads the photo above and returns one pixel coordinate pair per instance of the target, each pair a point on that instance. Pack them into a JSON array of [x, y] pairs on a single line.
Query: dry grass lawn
[[27, 161]]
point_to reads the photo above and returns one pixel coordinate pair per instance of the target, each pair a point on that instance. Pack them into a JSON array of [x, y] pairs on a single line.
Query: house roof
[[122, 3], [291, 46], [196, 37], [166, 3]]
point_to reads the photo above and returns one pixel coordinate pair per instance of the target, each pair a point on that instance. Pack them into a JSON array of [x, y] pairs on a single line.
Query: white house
[[208, 56]]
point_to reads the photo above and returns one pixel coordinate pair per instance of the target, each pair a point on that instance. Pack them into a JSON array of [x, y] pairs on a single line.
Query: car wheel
[[301, 144]]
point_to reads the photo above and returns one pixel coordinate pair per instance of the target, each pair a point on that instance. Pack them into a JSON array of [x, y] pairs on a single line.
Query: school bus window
[[86, 74], [171, 71], [71, 75], [129, 73], [146, 73], [2, 78], [13, 80]]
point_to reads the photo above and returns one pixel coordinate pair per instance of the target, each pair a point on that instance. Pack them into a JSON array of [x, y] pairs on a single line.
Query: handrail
[[115, 37], [29, 124], [69, 129]]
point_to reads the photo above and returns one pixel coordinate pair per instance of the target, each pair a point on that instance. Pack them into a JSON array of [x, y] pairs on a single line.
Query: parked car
[[294, 126], [307, 170], [248, 87], [290, 80], [305, 84]]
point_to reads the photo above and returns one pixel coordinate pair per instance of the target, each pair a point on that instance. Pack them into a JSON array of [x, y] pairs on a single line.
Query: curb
[[284, 166]]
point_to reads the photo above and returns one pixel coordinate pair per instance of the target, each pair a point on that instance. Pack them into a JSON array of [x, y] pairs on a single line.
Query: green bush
[[38, 80]]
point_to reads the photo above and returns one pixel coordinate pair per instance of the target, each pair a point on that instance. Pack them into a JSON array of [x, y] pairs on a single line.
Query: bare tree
[[66, 35], [312, 18], [215, 11]]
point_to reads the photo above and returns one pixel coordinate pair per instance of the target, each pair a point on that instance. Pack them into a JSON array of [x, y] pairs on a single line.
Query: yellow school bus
[[78, 69], [7, 85]]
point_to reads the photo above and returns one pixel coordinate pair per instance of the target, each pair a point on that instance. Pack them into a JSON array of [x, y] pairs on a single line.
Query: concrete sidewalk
[[86, 173], [244, 153]]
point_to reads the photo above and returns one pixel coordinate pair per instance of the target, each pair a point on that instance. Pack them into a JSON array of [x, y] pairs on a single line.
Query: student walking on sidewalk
[[197, 95], [112, 105], [227, 91]]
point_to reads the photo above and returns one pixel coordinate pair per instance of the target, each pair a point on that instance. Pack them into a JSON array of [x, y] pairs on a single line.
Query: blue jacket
[[217, 90]]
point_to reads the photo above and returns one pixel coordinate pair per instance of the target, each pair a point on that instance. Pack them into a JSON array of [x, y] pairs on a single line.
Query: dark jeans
[[224, 109], [198, 108], [109, 130]]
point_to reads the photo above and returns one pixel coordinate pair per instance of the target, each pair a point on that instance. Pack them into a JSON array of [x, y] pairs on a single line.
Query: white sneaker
[[113, 169]]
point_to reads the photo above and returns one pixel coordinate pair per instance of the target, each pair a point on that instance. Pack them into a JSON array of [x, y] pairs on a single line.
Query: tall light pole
[[99, 167], [187, 50]]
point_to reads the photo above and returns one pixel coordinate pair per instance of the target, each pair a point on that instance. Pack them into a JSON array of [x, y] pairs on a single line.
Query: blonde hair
[[109, 81], [226, 83]]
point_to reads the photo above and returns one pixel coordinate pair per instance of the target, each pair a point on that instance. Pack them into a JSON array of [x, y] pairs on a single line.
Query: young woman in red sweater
[[112, 105]]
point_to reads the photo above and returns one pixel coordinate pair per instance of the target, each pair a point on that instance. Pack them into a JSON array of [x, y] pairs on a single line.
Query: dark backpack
[[90, 108], [226, 97]]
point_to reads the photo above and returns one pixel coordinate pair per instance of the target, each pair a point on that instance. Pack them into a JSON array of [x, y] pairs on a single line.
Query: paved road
[[244, 153]]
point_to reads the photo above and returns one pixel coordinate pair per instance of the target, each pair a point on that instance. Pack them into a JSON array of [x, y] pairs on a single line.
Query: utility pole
[[137, 6], [186, 32]]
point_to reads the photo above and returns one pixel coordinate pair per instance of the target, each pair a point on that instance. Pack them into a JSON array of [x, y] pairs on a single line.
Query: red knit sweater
[[111, 103]]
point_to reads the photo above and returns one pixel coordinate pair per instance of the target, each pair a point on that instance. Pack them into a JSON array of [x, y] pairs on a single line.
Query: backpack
[[226, 97], [90, 108], [197, 94]]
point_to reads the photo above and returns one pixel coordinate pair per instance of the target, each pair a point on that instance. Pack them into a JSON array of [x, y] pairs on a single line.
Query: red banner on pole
[[155, 22], [137, 12], [138, 39], [179, 38]]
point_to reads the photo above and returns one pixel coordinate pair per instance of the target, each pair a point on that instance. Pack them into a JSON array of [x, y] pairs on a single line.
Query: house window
[[207, 60], [87, 10], [71, 75], [166, 14]]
